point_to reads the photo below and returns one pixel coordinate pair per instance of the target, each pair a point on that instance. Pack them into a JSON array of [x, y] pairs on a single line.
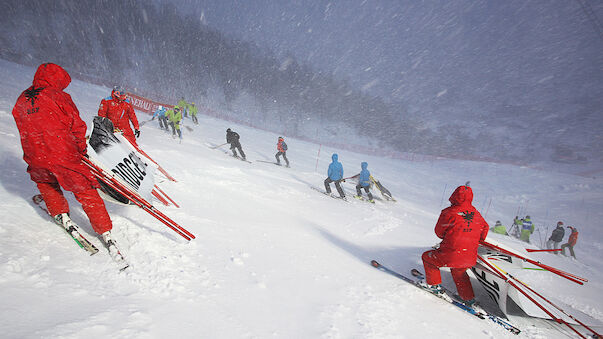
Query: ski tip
[[374, 263], [124, 268]]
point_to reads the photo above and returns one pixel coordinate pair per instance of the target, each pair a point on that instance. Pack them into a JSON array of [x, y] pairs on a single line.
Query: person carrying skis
[[232, 138], [556, 237], [499, 228], [571, 242], [175, 119], [364, 181], [281, 148], [53, 138], [160, 114], [335, 174], [461, 228], [527, 228], [120, 111], [193, 110]]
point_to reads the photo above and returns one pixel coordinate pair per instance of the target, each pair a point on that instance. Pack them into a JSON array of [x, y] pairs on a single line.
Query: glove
[[137, 133]]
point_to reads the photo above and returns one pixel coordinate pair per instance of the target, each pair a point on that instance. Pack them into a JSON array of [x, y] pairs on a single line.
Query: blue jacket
[[160, 112], [335, 169], [365, 176]]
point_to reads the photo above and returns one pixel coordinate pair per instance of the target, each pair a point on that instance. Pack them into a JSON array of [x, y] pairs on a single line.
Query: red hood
[[51, 75], [463, 195]]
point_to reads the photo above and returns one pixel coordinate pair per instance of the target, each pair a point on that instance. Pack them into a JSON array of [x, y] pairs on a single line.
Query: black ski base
[[480, 314]]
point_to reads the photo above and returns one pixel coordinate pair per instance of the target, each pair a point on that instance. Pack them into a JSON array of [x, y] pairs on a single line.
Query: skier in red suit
[[53, 140], [461, 227], [119, 110]]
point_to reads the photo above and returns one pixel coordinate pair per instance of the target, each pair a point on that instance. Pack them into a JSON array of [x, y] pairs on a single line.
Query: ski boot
[[113, 250], [359, 197], [437, 289], [372, 201], [65, 221]]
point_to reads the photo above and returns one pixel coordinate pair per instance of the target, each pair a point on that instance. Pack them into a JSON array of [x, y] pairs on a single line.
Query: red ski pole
[[167, 196], [163, 171], [136, 199], [569, 276], [557, 307], [504, 277]]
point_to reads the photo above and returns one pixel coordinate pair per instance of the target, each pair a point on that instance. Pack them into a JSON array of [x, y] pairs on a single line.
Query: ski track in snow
[[272, 257]]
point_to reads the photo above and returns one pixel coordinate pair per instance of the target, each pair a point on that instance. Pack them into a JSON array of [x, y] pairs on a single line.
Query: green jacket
[[527, 228], [192, 109], [182, 104], [500, 229]]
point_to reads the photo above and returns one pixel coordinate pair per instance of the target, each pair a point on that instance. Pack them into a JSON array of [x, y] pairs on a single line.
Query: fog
[[518, 81]]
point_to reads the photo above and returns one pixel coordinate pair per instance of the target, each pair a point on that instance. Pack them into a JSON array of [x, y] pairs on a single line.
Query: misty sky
[[403, 49]]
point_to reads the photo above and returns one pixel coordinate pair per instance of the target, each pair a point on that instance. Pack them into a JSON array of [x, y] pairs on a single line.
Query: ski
[[72, 231], [242, 159], [272, 162], [329, 194], [480, 314]]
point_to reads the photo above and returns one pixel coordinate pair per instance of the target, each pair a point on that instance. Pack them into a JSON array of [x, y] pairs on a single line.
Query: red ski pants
[[432, 265], [93, 205]]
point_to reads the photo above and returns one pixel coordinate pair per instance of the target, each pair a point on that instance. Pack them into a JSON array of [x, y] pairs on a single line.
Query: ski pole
[[507, 278], [557, 307], [135, 198], [167, 196], [533, 250], [110, 180], [160, 198], [566, 275], [214, 147]]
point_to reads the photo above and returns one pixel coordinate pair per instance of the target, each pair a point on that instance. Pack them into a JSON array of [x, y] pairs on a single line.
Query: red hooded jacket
[[52, 132], [120, 112], [460, 227], [573, 238]]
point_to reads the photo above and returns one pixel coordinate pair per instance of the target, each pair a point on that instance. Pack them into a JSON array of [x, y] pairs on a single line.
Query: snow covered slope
[[272, 258]]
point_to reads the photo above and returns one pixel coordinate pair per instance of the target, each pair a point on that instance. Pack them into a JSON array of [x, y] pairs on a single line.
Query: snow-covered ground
[[272, 258]]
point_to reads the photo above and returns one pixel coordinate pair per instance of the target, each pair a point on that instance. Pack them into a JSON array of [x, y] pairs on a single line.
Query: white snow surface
[[272, 258]]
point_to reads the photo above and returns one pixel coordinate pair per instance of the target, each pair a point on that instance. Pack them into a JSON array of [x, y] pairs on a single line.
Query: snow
[[272, 258]]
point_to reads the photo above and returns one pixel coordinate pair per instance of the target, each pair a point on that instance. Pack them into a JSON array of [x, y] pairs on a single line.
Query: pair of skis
[[449, 298], [272, 162], [329, 194], [75, 234]]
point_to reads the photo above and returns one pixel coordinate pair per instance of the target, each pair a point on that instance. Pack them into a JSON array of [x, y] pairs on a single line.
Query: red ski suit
[[460, 227], [53, 141], [120, 112]]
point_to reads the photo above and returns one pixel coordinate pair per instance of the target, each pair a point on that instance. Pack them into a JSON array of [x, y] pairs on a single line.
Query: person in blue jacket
[[335, 173], [160, 114], [364, 181]]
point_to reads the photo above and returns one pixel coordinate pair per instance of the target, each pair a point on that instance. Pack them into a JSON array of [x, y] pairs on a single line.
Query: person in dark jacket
[[461, 227], [335, 174], [571, 242], [232, 138], [556, 237], [364, 181], [281, 148]]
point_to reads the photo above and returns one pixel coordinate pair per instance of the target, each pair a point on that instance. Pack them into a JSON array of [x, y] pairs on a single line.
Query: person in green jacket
[[499, 228], [527, 228], [193, 110], [175, 120], [182, 104]]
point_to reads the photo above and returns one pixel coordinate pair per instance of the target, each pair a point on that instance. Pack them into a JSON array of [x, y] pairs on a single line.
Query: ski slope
[[273, 258]]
